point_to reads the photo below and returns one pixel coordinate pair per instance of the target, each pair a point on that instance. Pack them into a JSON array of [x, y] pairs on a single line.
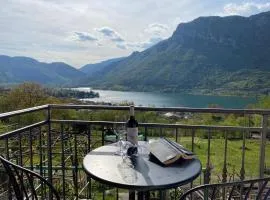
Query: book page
[[162, 150], [167, 151]]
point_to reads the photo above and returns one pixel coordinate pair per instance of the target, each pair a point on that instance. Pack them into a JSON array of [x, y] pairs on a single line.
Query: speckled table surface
[[137, 173]]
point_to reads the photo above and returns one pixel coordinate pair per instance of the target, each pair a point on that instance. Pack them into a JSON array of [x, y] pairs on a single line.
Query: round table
[[137, 173]]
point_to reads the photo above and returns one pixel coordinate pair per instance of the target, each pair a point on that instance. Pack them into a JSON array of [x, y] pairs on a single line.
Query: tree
[[26, 95]]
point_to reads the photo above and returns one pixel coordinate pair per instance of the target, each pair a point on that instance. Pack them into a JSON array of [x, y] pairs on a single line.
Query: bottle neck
[[131, 111]]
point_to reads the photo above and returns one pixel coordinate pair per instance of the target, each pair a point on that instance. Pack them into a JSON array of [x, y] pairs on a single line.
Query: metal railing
[[249, 189], [55, 145]]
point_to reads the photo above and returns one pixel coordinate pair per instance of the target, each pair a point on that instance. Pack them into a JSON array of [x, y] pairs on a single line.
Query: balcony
[[53, 139]]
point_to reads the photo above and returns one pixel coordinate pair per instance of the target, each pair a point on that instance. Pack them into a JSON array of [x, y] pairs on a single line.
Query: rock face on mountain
[[20, 69], [209, 53]]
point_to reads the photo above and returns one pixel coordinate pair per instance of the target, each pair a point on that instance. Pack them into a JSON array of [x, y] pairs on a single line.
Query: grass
[[234, 156]]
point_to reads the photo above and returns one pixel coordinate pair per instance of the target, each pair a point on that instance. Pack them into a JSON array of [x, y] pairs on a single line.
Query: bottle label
[[132, 135]]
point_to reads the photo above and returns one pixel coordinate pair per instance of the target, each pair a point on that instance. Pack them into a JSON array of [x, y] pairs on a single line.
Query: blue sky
[[79, 32]]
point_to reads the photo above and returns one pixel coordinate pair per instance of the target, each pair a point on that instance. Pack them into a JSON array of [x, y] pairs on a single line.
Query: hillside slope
[[209, 53], [97, 67], [20, 69]]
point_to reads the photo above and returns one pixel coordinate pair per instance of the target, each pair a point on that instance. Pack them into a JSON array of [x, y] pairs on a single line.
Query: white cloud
[[83, 36], [44, 29], [146, 44], [156, 32], [157, 29], [110, 37], [152, 41], [122, 46], [245, 8], [107, 31], [111, 34]]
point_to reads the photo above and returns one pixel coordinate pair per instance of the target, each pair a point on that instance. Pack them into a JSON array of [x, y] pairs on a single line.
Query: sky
[[80, 32]]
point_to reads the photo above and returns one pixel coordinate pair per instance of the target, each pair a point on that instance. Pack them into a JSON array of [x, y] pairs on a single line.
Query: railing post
[[89, 139], [103, 135], [76, 167], [262, 145], [242, 171], [145, 133], [224, 171], [8, 157], [41, 156], [192, 139], [49, 146], [63, 161], [176, 135], [207, 174]]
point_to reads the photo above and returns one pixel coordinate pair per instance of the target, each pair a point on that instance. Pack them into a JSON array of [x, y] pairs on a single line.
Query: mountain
[[20, 69], [94, 68], [207, 54]]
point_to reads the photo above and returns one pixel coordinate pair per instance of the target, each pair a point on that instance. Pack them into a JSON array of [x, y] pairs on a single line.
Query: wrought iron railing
[[246, 190], [54, 147]]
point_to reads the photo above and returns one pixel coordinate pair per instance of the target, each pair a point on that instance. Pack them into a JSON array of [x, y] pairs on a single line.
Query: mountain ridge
[[209, 53], [220, 54], [19, 69], [95, 67]]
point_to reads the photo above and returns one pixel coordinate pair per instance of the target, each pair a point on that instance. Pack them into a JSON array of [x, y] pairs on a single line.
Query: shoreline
[[203, 92], [159, 99]]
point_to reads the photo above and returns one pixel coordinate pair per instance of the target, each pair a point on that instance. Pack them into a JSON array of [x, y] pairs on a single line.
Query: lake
[[169, 99]]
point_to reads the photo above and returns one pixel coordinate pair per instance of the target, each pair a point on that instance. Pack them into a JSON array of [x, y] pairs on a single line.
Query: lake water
[[170, 99]]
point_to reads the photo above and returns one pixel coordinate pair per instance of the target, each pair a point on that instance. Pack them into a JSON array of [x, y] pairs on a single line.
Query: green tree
[[25, 95]]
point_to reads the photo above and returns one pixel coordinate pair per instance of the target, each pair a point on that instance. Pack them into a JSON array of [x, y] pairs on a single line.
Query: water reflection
[[170, 99]]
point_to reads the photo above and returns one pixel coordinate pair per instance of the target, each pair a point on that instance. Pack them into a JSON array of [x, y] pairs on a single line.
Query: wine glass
[[121, 142]]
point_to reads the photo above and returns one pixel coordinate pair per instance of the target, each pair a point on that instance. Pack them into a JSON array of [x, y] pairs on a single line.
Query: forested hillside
[[20, 69], [220, 54]]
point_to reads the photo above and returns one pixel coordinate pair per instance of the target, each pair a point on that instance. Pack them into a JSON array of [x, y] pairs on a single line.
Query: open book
[[168, 152]]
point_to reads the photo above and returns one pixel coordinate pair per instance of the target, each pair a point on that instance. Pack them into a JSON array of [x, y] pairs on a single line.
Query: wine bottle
[[132, 128]]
